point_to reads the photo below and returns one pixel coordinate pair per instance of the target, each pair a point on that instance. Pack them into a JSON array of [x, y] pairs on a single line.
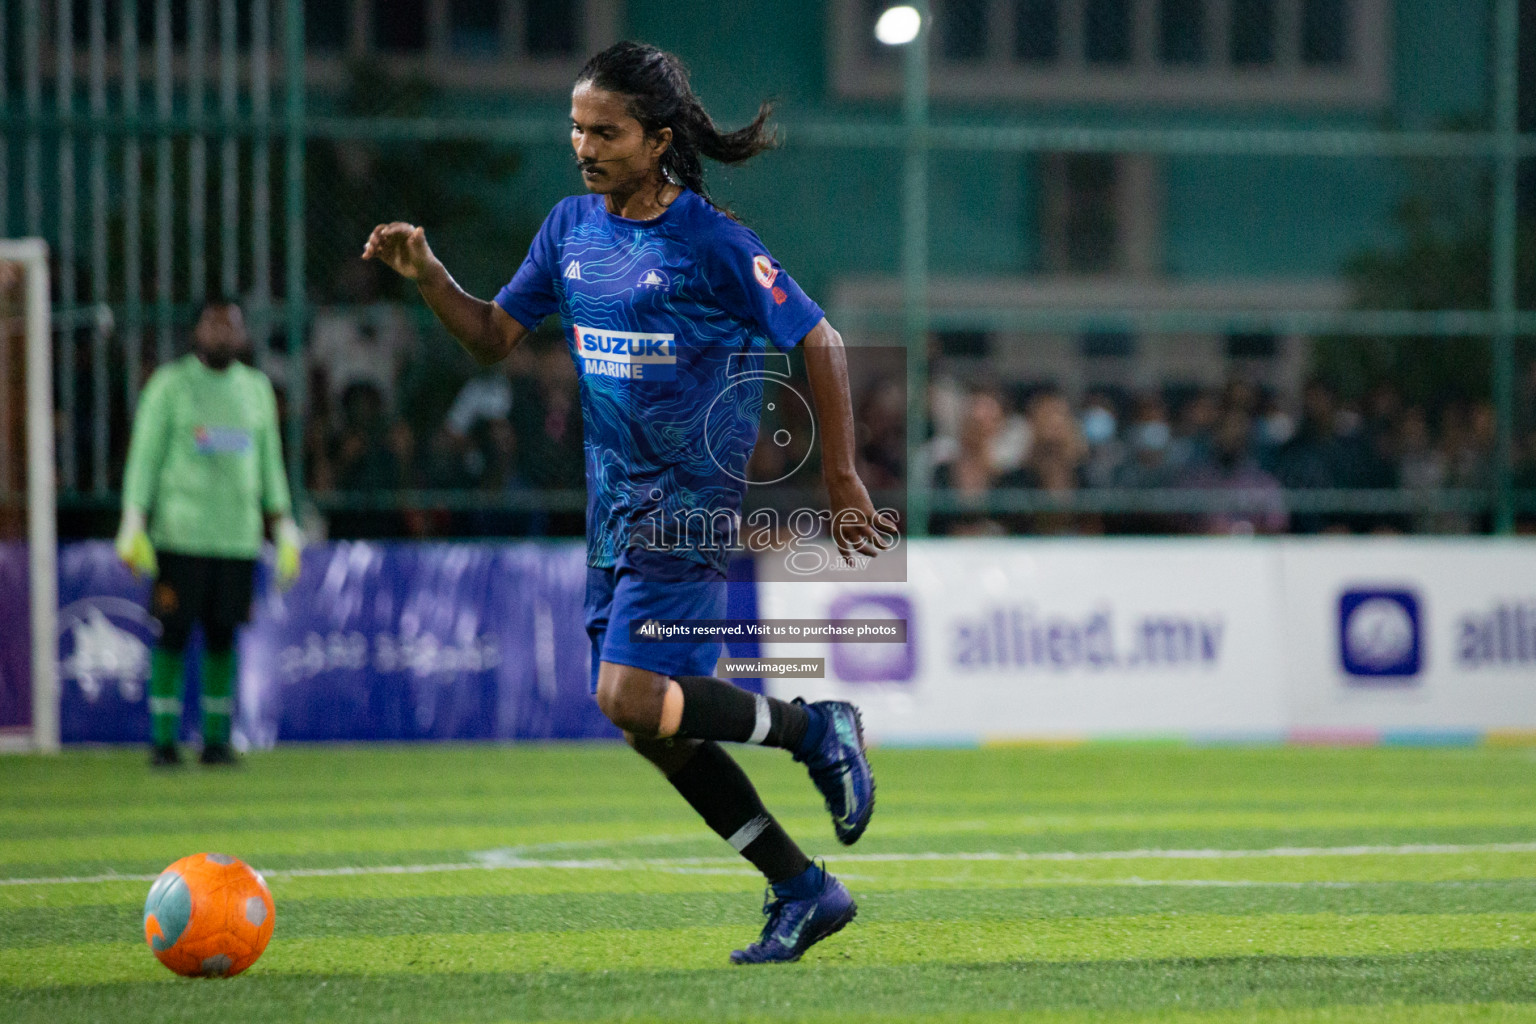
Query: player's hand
[[400, 246], [134, 548], [290, 548], [857, 528]]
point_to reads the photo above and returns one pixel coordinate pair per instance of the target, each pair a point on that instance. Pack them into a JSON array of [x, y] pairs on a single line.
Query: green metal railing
[[246, 113], [1503, 145], [140, 129], [1506, 72]]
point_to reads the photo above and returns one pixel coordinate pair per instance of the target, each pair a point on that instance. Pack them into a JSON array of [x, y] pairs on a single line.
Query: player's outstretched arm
[[141, 476], [856, 527], [484, 329]]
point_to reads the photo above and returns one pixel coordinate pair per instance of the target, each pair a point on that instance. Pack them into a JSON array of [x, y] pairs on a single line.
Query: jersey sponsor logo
[[221, 440], [654, 279], [762, 269], [779, 296], [572, 271], [626, 355]]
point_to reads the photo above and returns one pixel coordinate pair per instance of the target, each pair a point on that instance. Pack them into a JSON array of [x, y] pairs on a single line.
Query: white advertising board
[[1410, 635], [1019, 638]]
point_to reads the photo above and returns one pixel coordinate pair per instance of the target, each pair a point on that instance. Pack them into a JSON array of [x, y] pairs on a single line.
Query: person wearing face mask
[[1145, 464], [1231, 466], [205, 468], [1149, 437], [1100, 428]]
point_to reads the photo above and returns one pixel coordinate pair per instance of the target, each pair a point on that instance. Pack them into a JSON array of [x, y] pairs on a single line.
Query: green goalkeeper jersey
[[204, 463]]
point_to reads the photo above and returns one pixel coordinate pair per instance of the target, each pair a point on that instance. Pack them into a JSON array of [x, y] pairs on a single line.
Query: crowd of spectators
[[393, 414], [1238, 438]]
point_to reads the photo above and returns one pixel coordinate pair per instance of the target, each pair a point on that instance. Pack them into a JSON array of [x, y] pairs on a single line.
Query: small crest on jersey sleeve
[[762, 269]]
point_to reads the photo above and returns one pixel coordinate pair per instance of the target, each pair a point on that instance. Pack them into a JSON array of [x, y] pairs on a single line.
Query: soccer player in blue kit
[[659, 291]]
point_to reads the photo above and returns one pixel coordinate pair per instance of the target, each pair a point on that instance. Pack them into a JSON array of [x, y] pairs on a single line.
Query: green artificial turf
[[1096, 883]]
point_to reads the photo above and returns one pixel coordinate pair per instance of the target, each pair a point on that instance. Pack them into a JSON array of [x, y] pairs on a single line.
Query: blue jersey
[[669, 321]]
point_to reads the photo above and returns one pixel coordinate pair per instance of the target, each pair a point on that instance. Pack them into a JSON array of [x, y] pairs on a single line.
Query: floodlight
[[898, 25]]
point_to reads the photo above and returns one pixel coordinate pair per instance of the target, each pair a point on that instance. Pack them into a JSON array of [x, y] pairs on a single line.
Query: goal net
[[29, 692]]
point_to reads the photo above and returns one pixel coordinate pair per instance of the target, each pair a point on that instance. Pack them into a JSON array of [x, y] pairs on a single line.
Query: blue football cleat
[[840, 770], [795, 925]]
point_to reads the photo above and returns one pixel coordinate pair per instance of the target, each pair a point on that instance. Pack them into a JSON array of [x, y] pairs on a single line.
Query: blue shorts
[[652, 585]]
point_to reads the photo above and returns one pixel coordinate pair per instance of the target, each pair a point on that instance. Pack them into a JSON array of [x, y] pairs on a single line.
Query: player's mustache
[[587, 165]]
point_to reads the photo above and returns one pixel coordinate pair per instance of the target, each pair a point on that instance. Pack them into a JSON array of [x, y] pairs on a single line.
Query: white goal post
[[31, 254]]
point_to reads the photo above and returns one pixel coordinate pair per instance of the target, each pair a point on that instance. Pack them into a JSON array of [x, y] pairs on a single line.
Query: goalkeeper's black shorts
[[195, 588]]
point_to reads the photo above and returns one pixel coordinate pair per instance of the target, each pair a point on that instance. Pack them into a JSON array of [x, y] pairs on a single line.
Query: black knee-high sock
[[715, 786], [713, 709]]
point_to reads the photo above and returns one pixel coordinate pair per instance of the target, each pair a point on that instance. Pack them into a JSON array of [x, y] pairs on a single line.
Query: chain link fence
[[1134, 318]]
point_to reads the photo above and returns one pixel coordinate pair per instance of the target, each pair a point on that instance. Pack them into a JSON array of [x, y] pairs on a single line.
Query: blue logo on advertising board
[[875, 663], [1380, 636]]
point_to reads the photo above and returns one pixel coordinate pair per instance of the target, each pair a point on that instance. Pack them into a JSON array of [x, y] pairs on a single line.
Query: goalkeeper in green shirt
[[204, 468]]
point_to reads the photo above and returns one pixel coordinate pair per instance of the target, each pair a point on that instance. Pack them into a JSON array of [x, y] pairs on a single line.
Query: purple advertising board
[[432, 641], [105, 636], [15, 638], [373, 642]]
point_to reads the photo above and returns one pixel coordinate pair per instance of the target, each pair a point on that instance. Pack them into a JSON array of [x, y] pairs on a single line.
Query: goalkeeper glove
[[133, 545], [290, 543]]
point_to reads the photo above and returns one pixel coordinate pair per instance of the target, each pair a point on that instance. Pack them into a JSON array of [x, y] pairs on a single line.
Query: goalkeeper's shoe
[[839, 767], [218, 754], [801, 912]]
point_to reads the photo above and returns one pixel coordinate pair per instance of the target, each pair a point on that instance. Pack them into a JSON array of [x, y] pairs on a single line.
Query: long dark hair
[[660, 96]]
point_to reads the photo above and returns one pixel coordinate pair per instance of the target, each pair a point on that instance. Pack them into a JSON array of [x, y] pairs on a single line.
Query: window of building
[[1252, 345], [474, 27], [1136, 52], [1107, 31], [1107, 345], [1253, 33], [326, 25], [1100, 214], [243, 26], [458, 44], [1181, 35], [1324, 32], [1080, 215], [962, 29], [1090, 232], [552, 27], [411, 36], [1036, 31], [147, 15], [400, 26], [81, 19], [965, 344], [213, 12]]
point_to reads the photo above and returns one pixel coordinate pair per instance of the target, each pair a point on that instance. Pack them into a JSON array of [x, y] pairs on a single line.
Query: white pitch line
[[1418, 849], [514, 859], [78, 879]]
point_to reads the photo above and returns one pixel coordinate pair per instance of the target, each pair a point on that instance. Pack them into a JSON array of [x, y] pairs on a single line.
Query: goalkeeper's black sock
[[713, 709], [715, 786]]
